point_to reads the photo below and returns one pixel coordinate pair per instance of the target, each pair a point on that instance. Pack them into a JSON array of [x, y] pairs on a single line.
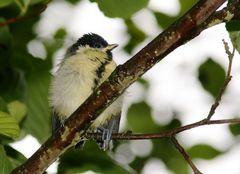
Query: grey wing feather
[[56, 122], [114, 123]]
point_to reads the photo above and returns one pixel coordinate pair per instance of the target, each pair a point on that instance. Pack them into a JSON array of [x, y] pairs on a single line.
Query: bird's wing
[[114, 123], [56, 122]]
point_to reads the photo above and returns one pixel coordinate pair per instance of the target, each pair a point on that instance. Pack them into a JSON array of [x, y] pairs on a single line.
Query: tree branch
[[185, 155], [171, 134], [123, 76], [206, 121], [224, 15], [226, 81], [20, 18], [166, 134]]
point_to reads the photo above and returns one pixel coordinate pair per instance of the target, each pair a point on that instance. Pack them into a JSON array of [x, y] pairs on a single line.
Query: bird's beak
[[110, 47]]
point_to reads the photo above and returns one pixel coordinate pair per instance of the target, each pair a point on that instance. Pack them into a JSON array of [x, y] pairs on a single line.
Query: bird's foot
[[104, 142]]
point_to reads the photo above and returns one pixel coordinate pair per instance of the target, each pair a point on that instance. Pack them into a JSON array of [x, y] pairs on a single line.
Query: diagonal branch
[[185, 155], [124, 75], [206, 121], [172, 133]]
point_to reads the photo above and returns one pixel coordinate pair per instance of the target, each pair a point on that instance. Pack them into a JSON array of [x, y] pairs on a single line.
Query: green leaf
[[4, 3], [15, 157], [60, 33], [173, 124], [138, 164], [13, 84], [144, 83], [9, 159], [37, 122], [211, 76], [5, 164], [37, 79], [23, 5], [235, 129], [17, 109], [90, 157], [5, 35], [22, 59], [233, 28], [136, 36], [203, 151], [74, 2], [165, 150], [5, 45], [3, 105], [34, 2], [8, 125], [164, 20], [186, 5], [120, 8], [139, 118]]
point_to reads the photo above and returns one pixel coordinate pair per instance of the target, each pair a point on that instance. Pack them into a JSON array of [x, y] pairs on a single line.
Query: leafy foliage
[[235, 129], [5, 164], [121, 8], [164, 150], [211, 75], [186, 5], [8, 125], [203, 151], [17, 109], [233, 28], [4, 3], [141, 111], [164, 20], [9, 159], [15, 157], [136, 36], [144, 83], [41, 113], [90, 157]]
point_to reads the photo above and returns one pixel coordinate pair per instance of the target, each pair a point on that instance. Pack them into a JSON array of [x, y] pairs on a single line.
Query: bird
[[86, 65]]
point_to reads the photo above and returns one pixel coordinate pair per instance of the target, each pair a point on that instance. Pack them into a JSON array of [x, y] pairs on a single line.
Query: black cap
[[92, 40]]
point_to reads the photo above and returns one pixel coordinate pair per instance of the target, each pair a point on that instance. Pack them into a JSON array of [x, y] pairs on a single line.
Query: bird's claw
[[105, 142]]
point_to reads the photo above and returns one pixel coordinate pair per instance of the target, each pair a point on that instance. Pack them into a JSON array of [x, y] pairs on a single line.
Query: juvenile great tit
[[87, 63]]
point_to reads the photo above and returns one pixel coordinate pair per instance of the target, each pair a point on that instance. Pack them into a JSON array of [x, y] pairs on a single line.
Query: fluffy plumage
[[87, 64]]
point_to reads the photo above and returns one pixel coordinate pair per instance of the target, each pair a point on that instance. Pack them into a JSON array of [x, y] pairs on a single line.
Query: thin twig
[[166, 134], [226, 81], [185, 155], [230, 56], [219, 97], [224, 14]]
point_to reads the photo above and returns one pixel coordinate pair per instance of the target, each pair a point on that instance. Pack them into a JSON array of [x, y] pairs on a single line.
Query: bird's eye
[[96, 45]]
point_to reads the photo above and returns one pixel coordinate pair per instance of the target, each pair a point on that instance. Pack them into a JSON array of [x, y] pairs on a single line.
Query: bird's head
[[92, 40]]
